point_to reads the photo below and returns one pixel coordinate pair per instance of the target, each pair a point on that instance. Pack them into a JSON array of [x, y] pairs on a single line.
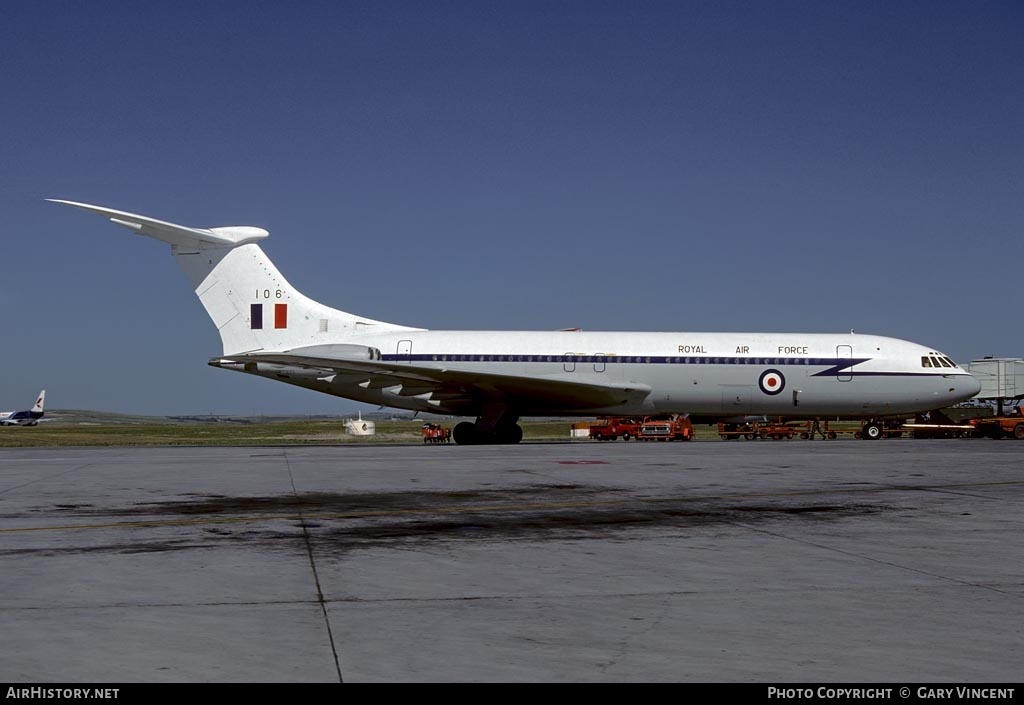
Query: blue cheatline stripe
[[833, 364], [631, 359], [256, 316]]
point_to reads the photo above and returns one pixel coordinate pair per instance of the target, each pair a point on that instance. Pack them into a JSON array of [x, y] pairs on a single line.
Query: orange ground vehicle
[[666, 428], [730, 431], [776, 430], [436, 433], [1009, 426], [762, 429], [611, 428]]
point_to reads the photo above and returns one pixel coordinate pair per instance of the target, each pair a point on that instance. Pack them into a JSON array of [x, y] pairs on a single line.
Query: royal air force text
[[743, 350]]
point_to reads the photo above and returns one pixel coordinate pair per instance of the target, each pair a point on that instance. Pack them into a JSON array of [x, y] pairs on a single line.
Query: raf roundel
[[771, 382]]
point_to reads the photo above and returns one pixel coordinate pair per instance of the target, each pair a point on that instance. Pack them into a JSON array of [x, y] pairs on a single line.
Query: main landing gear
[[505, 431]]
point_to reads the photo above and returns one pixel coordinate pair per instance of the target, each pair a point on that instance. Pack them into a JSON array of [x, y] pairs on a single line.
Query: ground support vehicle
[[809, 430], [672, 428], [1000, 426], [872, 429], [611, 428], [435, 433], [735, 431], [776, 430], [935, 424], [763, 429]]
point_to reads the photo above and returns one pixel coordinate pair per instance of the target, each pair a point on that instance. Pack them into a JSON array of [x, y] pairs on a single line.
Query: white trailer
[[1000, 377]]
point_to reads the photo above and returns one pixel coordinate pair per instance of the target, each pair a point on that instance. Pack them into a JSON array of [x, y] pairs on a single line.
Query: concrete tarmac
[[740, 561]]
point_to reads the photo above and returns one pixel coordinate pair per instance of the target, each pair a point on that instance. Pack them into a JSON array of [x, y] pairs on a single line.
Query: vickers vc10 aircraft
[[268, 328], [29, 417]]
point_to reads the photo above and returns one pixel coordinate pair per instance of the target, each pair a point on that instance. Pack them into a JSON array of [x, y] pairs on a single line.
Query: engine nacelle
[[310, 374], [339, 351]]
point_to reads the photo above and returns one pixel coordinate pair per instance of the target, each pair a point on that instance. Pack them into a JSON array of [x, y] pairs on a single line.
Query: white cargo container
[[1000, 377]]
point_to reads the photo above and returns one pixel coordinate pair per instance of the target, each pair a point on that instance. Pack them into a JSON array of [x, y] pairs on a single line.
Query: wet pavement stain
[[338, 521]]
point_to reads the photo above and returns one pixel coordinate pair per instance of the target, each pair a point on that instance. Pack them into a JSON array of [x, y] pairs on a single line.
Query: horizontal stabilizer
[[175, 234]]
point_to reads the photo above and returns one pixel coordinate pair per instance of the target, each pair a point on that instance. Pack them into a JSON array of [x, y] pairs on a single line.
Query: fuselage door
[[569, 362], [599, 362], [844, 355], [404, 348]]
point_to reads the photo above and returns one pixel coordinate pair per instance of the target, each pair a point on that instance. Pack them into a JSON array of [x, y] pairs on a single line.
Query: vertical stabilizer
[[254, 307], [251, 303]]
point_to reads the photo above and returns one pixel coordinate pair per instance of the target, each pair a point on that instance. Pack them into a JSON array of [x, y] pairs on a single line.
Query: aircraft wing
[[458, 391]]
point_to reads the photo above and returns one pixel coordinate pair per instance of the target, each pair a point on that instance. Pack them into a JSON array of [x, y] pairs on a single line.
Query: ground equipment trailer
[[809, 430], [758, 429], [779, 429], [735, 431]]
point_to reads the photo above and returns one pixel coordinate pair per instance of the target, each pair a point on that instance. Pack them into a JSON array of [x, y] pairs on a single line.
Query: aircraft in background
[[269, 329], [24, 418]]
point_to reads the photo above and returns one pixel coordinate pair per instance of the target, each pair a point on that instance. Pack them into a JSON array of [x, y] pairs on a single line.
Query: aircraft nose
[[968, 386]]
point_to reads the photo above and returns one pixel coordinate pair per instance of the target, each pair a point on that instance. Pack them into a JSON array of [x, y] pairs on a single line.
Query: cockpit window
[[937, 360]]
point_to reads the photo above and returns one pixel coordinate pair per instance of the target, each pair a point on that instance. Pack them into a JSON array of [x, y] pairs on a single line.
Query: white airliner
[[24, 418], [270, 329]]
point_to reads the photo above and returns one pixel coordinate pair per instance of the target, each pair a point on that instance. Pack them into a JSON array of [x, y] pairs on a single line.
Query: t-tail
[[251, 303], [38, 408]]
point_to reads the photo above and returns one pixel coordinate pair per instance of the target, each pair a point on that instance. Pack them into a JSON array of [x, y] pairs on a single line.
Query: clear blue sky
[[723, 166]]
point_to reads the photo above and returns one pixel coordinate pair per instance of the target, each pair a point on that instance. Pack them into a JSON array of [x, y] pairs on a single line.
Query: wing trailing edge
[[441, 384]]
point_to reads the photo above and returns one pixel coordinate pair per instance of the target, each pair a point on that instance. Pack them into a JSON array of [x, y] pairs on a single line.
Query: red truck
[[611, 428], [666, 428]]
